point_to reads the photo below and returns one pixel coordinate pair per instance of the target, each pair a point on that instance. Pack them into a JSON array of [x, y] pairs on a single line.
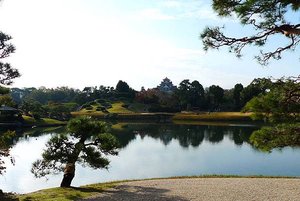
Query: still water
[[157, 150]]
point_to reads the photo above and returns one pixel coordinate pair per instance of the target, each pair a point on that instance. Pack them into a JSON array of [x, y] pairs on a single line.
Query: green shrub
[[85, 105], [125, 105], [106, 105], [89, 108], [36, 116], [100, 101]]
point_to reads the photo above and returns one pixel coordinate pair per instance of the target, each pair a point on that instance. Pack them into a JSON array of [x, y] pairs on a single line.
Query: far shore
[[169, 117], [178, 118]]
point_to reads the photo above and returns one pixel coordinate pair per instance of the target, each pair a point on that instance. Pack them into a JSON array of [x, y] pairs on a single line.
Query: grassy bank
[[29, 121], [204, 116], [213, 116], [68, 194], [122, 110]]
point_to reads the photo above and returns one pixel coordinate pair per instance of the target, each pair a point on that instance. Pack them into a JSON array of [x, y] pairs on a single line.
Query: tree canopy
[[7, 73], [281, 103], [88, 143], [267, 18]]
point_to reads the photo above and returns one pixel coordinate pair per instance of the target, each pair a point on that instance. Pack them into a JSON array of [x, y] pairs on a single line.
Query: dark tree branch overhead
[[267, 17]]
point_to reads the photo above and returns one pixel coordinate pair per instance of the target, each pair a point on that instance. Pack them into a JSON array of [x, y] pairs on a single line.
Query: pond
[[157, 150]]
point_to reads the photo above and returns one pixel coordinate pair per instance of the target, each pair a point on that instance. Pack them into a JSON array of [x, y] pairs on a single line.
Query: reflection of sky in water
[[148, 157]]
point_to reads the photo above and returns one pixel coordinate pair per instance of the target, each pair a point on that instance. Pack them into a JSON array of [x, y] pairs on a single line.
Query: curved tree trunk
[[69, 174]]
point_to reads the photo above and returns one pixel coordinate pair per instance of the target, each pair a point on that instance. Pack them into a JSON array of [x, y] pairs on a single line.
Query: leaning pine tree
[[87, 142]]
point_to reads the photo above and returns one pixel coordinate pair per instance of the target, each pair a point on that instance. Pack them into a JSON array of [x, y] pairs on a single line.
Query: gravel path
[[208, 189]]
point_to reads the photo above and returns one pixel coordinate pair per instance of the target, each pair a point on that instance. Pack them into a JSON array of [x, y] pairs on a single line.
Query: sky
[[80, 43]]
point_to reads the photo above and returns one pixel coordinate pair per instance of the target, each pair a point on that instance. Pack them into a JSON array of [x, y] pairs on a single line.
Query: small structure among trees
[[166, 86], [9, 114]]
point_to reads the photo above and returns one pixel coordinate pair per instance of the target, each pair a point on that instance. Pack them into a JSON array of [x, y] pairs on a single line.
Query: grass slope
[[116, 107], [66, 194], [129, 110], [41, 122], [214, 116]]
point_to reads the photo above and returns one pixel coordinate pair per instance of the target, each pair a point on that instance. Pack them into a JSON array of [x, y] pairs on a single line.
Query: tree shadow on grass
[[136, 193], [87, 189], [8, 197]]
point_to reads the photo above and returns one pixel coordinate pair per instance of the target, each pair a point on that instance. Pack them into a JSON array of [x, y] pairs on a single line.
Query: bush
[[100, 101], [106, 105], [95, 103], [100, 107], [125, 105], [85, 105], [89, 108], [36, 116]]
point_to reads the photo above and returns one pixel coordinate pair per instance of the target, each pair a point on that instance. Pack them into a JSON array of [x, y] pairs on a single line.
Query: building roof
[[166, 86]]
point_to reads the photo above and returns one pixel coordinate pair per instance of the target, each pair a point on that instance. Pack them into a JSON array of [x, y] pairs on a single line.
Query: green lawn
[[117, 107], [41, 122], [213, 116], [66, 194]]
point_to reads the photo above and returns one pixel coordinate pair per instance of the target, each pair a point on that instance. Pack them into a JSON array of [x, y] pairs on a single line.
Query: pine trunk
[[69, 174]]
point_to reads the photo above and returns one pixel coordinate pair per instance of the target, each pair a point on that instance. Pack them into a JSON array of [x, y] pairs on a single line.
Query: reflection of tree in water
[[215, 134], [240, 135], [187, 135], [6, 142], [39, 131], [8, 138]]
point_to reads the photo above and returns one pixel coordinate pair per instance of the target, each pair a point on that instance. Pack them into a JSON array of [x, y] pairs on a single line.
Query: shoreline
[[98, 189], [176, 118], [170, 117]]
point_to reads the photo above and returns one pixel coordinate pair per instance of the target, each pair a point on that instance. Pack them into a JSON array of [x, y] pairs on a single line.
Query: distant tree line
[[57, 103], [192, 96]]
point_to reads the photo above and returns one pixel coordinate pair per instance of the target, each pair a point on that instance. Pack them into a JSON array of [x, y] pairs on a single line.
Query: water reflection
[[157, 150], [186, 135]]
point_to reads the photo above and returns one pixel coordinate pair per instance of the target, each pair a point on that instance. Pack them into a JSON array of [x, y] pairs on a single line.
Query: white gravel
[[206, 189]]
